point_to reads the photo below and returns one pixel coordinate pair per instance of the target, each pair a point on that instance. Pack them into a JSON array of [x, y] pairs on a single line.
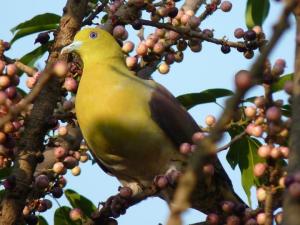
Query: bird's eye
[[93, 35]]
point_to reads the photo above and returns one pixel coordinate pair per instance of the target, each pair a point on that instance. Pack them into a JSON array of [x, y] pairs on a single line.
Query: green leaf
[[4, 172], [42, 19], [2, 192], [31, 30], [61, 216], [30, 58], [43, 22], [279, 85], [243, 153], [104, 19], [210, 95], [78, 201], [42, 221], [286, 110], [256, 12]]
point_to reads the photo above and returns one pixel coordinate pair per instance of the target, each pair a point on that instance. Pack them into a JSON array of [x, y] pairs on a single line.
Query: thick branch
[[291, 206], [36, 125], [207, 146]]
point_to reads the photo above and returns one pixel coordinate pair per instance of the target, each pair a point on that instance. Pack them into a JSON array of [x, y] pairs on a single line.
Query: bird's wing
[[179, 127], [172, 117]]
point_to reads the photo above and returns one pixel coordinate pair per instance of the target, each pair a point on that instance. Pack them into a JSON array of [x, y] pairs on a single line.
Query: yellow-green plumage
[[112, 107], [134, 126]]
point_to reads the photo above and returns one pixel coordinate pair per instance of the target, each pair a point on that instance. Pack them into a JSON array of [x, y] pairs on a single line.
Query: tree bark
[[291, 205], [36, 125]]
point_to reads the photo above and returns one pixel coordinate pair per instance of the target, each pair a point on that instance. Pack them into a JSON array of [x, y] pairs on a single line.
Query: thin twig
[[21, 66], [28, 99], [93, 15], [233, 140], [207, 146], [186, 32]]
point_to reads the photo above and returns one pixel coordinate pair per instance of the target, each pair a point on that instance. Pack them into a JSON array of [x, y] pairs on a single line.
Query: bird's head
[[94, 43]]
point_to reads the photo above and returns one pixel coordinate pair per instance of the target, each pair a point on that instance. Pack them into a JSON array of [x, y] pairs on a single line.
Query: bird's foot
[[169, 178]]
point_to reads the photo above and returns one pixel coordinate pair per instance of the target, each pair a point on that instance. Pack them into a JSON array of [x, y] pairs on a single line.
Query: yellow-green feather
[[112, 107]]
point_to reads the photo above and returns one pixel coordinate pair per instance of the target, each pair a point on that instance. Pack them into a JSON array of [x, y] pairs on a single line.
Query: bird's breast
[[115, 119]]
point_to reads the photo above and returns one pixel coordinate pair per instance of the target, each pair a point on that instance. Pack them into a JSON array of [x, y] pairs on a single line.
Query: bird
[[133, 126]]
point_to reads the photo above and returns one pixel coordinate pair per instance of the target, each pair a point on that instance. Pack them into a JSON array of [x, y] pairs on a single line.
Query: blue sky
[[199, 71]]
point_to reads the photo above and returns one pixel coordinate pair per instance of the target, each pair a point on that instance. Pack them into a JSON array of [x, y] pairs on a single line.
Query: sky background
[[199, 71]]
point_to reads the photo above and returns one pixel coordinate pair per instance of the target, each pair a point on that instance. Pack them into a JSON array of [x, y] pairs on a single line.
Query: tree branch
[[291, 205], [207, 146], [36, 125]]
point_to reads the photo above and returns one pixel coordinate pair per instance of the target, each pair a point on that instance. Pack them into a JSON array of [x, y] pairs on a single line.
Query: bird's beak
[[71, 47]]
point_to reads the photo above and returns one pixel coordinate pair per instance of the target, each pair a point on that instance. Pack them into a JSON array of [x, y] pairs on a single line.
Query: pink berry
[[159, 48], [226, 6], [70, 84], [60, 68], [261, 194], [210, 120], [11, 70], [62, 131], [257, 29], [198, 137], [279, 218], [285, 151], [250, 111], [212, 219], [259, 169], [76, 214], [76, 171], [259, 101], [125, 192], [150, 42], [161, 181], [160, 32], [194, 21], [257, 131], [11, 92], [84, 157], [60, 152], [128, 47], [227, 206], [233, 220], [275, 153], [124, 36], [4, 81], [30, 82], [42, 181], [119, 31], [243, 80], [190, 12], [2, 66], [185, 148], [131, 61], [185, 19], [26, 211], [264, 151], [294, 190], [209, 169], [162, 11], [70, 162], [170, 58], [172, 35], [273, 113], [261, 218], [3, 97], [68, 105], [142, 49], [239, 33], [164, 68], [58, 167]]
